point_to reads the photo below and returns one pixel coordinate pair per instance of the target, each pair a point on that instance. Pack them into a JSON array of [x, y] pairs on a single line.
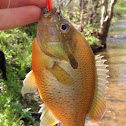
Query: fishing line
[[49, 5], [9, 3]]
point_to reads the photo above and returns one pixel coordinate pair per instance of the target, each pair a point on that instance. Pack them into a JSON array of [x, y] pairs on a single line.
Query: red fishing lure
[[49, 5]]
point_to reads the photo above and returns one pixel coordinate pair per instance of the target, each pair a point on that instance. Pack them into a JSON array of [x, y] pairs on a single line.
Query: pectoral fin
[[61, 75], [47, 118], [29, 85]]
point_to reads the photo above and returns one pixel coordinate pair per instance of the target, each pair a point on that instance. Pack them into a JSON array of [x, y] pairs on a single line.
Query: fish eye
[[64, 27]]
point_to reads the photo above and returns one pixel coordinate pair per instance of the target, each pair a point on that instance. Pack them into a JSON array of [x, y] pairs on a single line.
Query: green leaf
[[7, 35]]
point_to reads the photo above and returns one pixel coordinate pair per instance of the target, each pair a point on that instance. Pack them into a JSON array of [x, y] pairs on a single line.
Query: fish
[[70, 79]]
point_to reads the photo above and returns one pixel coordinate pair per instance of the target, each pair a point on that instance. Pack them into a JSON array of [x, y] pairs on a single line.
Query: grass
[[17, 46]]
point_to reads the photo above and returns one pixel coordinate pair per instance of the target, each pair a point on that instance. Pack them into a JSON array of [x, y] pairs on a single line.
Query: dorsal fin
[[29, 85], [47, 118], [99, 106]]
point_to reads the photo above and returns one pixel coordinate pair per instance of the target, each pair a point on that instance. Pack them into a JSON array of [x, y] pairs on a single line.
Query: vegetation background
[[17, 46]]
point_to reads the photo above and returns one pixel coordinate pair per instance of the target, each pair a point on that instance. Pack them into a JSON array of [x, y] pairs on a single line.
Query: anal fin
[[98, 108], [47, 118], [29, 85]]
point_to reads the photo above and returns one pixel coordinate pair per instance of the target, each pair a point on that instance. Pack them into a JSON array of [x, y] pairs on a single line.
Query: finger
[[16, 17], [19, 3]]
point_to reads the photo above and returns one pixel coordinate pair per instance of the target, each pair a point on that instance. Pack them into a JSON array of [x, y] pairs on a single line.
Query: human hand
[[16, 13]]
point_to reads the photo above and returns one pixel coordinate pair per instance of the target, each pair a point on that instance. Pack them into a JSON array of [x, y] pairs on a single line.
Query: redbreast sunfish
[[70, 79]]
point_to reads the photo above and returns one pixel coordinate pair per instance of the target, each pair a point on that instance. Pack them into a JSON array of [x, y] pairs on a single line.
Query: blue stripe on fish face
[[57, 27], [56, 24]]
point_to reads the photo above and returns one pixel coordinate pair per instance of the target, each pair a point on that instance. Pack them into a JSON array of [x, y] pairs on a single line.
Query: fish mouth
[[46, 13]]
